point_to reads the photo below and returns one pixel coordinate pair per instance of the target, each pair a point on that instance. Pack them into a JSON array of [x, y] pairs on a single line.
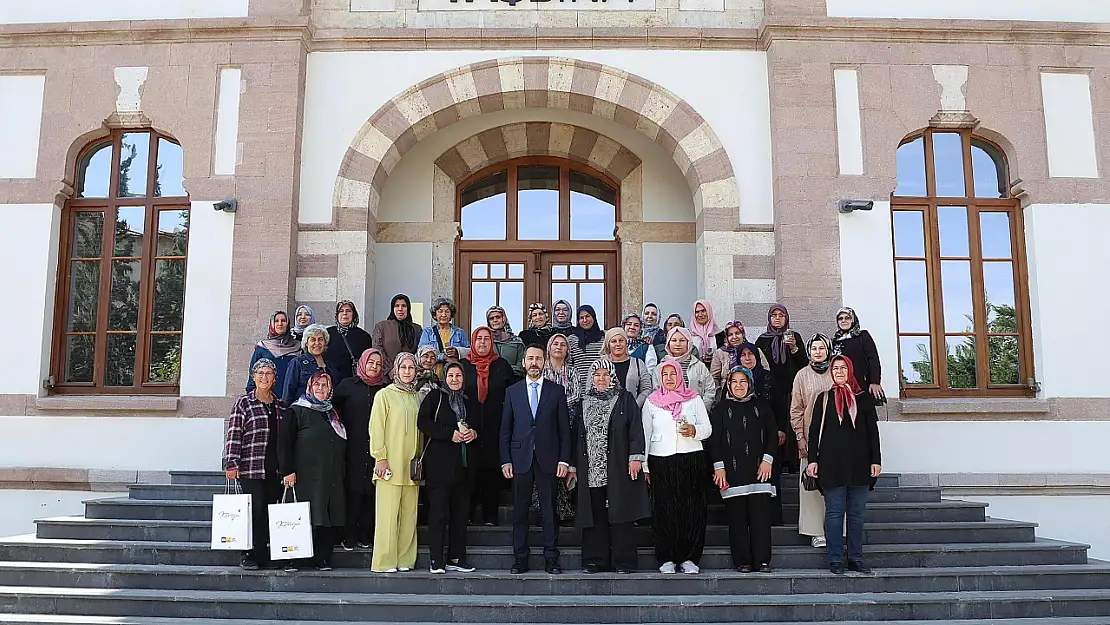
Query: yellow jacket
[[393, 433]]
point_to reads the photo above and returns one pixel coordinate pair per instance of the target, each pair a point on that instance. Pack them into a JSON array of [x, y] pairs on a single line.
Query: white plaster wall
[[22, 507], [994, 446], [207, 301], [226, 150], [1068, 257], [1035, 10], [667, 271], [407, 195], [403, 268], [849, 133], [20, 123], [737, 109], [1069, 125], [867, 282], [37, 11], [1080, 519], [28, 241], [104, 442]]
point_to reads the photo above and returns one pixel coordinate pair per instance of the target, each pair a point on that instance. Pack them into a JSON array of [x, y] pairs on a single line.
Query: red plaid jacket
[[246, 435]]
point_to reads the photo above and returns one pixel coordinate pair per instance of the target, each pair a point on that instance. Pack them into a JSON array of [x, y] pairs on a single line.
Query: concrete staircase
[[145, 559]]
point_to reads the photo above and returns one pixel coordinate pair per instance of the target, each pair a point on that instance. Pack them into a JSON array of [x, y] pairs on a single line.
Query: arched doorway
[[537, 229]]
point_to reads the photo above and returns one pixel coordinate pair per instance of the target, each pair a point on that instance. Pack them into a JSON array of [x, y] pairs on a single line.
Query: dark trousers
[[323, 544], [749, 529], [487, 493], [449, 509], [263, 493], [844, 501], [774, 505], [522, 501], [607, 544], [678, 506], [360, 518]]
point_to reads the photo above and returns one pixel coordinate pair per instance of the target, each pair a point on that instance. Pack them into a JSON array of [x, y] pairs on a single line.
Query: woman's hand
[[790, 342], [634, 468], [811, 470], [380, 467], [457, 437], [876, 470], [470, 435], [289, 480], [232, 474], [764, 472], [877, 391], [647, 478], [719, 479], [687, 430], [803, 449], [571, 478], [782, 438]]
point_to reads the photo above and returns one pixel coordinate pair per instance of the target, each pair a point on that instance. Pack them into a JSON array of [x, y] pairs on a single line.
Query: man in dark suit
[[535, 449]]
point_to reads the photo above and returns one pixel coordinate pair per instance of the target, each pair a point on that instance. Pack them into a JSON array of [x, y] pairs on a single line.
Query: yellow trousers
[[394, 526]]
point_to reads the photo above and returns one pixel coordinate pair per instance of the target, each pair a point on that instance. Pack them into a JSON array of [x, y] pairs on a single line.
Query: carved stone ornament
[[129, 103], [953, 120], [953, 111]]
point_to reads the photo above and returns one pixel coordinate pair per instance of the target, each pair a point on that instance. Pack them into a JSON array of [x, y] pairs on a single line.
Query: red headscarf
[[482, 363], [845, 394], [672, 400]]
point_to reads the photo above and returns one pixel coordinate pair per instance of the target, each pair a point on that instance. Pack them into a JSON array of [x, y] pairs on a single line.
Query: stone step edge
[[49, 619]]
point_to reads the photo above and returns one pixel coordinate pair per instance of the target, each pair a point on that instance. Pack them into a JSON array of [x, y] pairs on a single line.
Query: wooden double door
[[516, 279]]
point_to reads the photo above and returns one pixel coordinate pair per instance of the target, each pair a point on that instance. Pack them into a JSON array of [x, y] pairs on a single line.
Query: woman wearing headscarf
[[638, 346], [486, 376], [586, 340], [782, 346], [507, 345], [428, 371], [394, 441], [742, 450], [695, 374], [354, 398], [765, 388], [279, 347], [704, 328], [558, 369], [675, 424], [314, 342], [312, 455], [859, 347], [673, 321], [303, 317], [650, 318], [397, 333], [846, 461], [539, 326], [727, 355], [562, 321], [609, 450], [632, 374], [449, 469], [808, 384], [347, 342], [444, 336]]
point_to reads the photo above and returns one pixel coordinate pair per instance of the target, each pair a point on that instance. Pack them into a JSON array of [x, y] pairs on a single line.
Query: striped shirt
[[582, 357], [248, 437]]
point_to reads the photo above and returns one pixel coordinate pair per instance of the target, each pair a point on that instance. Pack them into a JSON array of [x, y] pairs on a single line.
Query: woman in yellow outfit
[[394, 442]]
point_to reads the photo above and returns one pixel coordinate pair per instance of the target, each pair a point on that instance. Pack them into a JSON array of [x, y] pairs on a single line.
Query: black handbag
[[416, 465], [810, 483]]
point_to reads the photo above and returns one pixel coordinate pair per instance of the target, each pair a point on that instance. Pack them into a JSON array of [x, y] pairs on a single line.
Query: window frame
[[929, 205], [108, 207]]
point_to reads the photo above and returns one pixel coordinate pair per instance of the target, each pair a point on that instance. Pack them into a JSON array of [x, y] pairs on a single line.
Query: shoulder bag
[[810, 483], [416, 465]]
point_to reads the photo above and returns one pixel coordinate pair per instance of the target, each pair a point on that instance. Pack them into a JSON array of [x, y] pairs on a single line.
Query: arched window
[[537, 229], [960, 273], [121, 280]]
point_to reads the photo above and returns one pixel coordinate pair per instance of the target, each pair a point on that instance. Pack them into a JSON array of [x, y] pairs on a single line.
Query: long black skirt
[[678, 506]]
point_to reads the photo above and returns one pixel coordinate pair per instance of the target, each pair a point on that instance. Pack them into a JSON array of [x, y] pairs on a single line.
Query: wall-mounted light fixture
[[848, 206], [228, 206]]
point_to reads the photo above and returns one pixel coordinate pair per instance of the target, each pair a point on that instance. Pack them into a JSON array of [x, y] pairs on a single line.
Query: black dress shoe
[[623, 570], [836, 568], [591, 568], [857, 567], [551, 566], [248, 564], [744, 568], [520, 566]]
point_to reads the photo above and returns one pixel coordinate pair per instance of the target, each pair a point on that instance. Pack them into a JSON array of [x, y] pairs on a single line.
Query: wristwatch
[[798, 435]]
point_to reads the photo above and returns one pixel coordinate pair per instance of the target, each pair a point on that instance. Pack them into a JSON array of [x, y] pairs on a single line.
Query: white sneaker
[[667, 568], [818, 542], [390, 571], [436, 569], [690, 568], [405, 569]]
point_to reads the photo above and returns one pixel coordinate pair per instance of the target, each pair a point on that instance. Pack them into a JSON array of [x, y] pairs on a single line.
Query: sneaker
[[291, 568], [405, 569], [390, 571], [460, 567], [347, 546], [667, 568], [323, 566], [362, 545], [818, 542], [437, 569], [690, 568], [248, 564]]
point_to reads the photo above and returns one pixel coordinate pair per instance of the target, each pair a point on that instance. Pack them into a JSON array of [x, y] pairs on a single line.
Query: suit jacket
[[547, 437]]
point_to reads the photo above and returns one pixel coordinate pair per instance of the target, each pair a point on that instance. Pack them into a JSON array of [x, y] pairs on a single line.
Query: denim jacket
[[458, 340]]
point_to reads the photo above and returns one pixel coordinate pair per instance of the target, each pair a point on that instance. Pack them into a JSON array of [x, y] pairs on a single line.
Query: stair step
[[779, 582], [49, 619], [889, 512], [1042, 551], [556, 608], [875, 533]]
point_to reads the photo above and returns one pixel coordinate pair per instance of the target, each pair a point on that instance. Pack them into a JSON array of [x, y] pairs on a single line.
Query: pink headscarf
[[672, 400], [707, 334]]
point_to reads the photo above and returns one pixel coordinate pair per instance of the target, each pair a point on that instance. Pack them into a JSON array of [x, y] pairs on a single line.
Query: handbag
[[810, 483], [416, 465]]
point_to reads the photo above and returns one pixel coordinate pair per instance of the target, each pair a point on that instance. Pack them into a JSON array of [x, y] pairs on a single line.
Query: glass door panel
[[495, 279]]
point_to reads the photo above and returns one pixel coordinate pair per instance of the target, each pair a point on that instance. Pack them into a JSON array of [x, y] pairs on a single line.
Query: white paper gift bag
[[290, 529], [232, 526]]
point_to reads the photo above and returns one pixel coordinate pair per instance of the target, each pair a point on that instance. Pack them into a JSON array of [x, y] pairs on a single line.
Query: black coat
[[628, 498], [743, 432], [844, 454], [536, 337], [864, 355], [443, 459], [784, 372], [485, 417], [353, 400], [309, 447], [341, 362]]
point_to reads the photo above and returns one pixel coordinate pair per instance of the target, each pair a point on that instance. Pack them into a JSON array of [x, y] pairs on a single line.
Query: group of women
[[355, 422]]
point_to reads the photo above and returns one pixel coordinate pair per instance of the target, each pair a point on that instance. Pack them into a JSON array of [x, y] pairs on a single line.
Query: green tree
[[1005, 366]]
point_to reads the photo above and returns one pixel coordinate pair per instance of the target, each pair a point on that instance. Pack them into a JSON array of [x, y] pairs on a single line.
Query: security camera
[[847, 206], [228, 206]]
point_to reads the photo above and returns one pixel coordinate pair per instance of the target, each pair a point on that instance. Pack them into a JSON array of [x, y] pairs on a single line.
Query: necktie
[[534, 397]]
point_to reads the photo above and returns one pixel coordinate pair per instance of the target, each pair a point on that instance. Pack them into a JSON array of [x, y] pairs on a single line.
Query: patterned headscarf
[[546, 324], [407, 387], [362, 362], [648, 332], [819, 367], [263, 362], [354, 315], [308, 400], [779, 351], [751, 383], [505, 333], [843, 335], [734, 352], [612, 390], [565, 376], [280, 344]]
